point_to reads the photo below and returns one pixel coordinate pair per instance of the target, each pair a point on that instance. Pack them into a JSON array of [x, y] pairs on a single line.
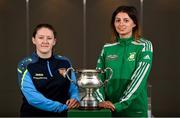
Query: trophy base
[[88, 105]]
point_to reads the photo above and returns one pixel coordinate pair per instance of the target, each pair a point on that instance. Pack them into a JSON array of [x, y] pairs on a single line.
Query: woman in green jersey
[[130, 57]]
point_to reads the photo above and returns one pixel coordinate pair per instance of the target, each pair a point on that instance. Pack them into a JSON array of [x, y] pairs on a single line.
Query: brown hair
[[132, 13], [46, 26]]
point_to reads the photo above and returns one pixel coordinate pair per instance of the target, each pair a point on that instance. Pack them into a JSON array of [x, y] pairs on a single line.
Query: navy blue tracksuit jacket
[[45, 91]]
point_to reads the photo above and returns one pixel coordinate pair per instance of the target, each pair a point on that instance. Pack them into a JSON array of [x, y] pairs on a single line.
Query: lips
[[122, 29], [44, 46]]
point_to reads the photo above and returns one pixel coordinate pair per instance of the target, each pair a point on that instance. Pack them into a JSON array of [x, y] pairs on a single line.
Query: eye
[[126, 20], [41, 37], [117, 20], [49, 38]]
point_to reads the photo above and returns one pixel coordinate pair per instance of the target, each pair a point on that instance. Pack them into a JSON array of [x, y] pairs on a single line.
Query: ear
[[33, 40], [134, 25], [54, 41]]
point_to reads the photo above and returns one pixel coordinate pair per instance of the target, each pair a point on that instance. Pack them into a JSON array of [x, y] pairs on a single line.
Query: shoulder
[[142, 41], [62, 58], [22, 65], [29, 59], [146, 44], [107, 45]]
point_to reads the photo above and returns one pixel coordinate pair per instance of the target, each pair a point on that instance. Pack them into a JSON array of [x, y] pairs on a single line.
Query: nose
[[45, 40], [121, 23]]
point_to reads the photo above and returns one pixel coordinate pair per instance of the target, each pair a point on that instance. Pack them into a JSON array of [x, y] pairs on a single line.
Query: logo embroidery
[[112, 57], [131, 56], [147, 57], [39, 76]]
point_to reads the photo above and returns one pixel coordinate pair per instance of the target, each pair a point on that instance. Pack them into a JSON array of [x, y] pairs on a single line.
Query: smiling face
[[44, 41], [124, 25]]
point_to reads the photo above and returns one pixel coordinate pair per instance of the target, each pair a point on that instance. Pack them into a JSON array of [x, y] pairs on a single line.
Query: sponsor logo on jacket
[[112, 57], [39, 76]]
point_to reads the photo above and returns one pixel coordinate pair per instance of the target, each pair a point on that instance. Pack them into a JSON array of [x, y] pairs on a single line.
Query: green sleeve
[[99, 93], [138, 78]]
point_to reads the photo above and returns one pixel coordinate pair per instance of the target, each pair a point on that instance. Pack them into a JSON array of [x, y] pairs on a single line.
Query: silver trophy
[[88, 80]]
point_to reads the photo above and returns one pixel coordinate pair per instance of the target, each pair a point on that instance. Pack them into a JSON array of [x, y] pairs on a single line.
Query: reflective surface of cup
[[88, 80]]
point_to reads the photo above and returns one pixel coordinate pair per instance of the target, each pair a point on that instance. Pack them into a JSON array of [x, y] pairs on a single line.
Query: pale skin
[[124, 26], [44, 42]]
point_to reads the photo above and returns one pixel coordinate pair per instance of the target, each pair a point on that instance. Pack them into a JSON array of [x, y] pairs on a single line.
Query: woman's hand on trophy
[[72, 103], [107, 104], [62, 71]]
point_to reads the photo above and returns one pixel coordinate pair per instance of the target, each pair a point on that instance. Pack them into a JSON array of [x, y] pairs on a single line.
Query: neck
[[44, 55]]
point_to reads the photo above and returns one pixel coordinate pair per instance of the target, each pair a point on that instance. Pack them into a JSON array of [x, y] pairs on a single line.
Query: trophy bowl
[[88, 80]]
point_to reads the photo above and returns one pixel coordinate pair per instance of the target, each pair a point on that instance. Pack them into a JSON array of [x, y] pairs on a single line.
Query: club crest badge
[[132, 56]]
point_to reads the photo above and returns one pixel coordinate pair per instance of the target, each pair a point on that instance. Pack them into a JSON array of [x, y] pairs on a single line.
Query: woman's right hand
[[72, 103], [107, 104]]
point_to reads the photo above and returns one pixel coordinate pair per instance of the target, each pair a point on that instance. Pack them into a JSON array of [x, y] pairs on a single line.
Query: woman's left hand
[[72, 103], [107, 104]]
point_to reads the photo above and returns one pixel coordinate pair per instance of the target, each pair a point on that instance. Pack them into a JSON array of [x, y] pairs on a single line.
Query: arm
[[34, 97], [138, 78], [73, 90], [74, 100], [99, 93]]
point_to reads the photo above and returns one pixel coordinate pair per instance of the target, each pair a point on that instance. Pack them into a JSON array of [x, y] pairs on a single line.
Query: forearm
[[36, 99], [73, 89]]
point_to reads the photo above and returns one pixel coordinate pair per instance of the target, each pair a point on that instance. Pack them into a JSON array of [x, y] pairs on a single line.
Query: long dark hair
[[132, 13]]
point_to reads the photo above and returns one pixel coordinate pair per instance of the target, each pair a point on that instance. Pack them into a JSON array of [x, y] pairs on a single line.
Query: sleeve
[[34, 97], [100, 92], [138, 78], [73, 90]]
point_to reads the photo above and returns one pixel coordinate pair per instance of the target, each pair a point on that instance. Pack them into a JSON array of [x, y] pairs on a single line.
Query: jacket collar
[[35, 56], [124, 41]]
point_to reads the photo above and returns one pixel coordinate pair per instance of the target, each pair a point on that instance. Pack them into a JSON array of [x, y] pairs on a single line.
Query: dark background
[[81, 36]]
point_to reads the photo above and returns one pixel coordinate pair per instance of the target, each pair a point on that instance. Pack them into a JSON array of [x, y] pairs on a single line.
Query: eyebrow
[[120, 18], [43, 35], [40, 35]]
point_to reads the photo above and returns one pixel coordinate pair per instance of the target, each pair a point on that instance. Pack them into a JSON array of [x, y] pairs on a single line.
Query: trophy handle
[[110, 76], [66, 74]]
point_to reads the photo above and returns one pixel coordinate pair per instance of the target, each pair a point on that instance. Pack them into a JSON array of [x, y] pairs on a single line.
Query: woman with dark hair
[[130, 57], [46, 91]]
